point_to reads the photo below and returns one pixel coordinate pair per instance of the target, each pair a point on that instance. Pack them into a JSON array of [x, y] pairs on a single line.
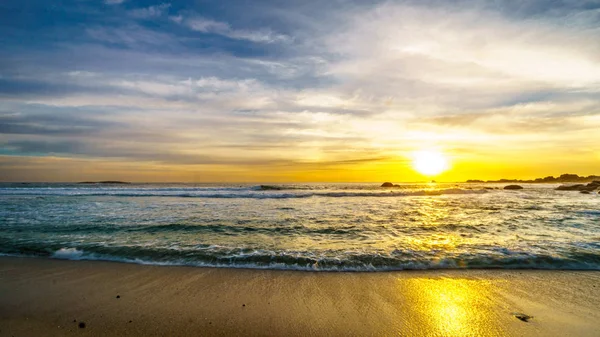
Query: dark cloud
[[44, 147], [15, 88], [58, 124], [59, 86], [544, 7], [89, 150]]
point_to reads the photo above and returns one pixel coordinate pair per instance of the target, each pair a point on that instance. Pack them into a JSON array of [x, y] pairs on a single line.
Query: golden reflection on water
[[441, 242], [453, 307], [433, 212]]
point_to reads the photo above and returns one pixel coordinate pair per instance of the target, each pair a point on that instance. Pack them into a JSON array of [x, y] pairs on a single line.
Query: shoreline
[[300, 270], [51, 297]]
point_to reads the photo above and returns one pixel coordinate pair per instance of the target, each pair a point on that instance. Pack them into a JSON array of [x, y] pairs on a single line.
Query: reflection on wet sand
[[453, 307]]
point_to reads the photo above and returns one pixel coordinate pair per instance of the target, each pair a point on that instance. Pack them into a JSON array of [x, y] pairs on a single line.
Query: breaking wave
[[215, 256]]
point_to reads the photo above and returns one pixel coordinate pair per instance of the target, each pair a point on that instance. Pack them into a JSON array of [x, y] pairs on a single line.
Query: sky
[[297, 91]]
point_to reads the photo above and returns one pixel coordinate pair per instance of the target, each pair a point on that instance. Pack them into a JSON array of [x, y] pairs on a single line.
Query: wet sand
[[42, 297]]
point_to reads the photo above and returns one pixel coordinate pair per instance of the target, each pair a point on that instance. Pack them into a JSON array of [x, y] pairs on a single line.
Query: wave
[[217, 256], [269, 193], [284, 187], [218, 228]]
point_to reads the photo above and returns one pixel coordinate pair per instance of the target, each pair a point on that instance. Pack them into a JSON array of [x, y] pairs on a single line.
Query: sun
[[429, 162]]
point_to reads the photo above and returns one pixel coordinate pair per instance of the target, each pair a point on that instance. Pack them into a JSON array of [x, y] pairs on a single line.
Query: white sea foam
[[68, 254]]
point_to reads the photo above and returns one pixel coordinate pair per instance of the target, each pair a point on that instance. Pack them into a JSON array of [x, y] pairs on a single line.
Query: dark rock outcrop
[[388, 184], [563, 178], [580, 187], [576, 187], [513, 187]]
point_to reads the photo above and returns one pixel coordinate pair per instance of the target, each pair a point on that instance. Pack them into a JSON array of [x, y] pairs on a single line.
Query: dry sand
[[42, 297]]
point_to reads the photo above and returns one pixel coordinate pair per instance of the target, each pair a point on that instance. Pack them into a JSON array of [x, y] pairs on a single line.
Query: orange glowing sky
[[287, 93]]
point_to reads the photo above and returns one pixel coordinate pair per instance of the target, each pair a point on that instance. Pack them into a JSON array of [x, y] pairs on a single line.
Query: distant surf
[[257, 192]]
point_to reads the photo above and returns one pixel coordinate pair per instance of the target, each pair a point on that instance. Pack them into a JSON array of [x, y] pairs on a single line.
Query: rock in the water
[[387, 184], [81, 325], [575, 187], [585, 192], [593, 185], [580, 187], [513, 187]]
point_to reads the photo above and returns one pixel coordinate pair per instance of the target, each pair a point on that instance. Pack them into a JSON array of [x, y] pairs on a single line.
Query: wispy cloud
[[113, 2], [130, 35], [208, 26], [150, 12]]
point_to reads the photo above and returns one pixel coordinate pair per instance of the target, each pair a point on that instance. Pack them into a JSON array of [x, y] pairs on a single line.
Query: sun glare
[[429, 163]]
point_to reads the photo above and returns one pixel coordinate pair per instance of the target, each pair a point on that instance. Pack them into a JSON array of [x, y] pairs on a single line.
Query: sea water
[[320, 227]]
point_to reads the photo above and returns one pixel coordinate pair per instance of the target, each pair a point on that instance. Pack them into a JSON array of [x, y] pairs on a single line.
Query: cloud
[[131, 35], [64, 123], [459, 50], [114, 2], [150, 12], [353, 85], [532, 118], [43, 147], [208, 26]]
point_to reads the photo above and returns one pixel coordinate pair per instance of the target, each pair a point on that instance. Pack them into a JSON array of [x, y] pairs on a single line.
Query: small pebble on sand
[[522, 317]]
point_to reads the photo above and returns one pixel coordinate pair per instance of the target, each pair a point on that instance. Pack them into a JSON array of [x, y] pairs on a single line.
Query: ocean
[[314, 227]]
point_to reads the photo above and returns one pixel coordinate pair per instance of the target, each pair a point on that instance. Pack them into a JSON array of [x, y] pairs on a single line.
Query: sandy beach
[[43, 297]]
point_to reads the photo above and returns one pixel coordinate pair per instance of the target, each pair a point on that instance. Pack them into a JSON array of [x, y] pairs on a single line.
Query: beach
[[300, 168], [48, 297]]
